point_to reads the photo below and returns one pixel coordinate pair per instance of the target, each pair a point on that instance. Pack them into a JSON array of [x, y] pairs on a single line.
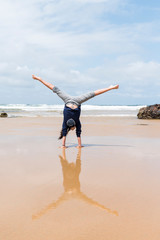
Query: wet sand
[[108, 190]]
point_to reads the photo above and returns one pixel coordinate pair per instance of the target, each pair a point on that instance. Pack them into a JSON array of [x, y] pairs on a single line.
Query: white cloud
[[137, 80], [75, 72], [75, 41], [93, 1]]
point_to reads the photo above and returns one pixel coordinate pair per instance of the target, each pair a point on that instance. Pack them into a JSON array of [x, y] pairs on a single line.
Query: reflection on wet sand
[[71, 183]]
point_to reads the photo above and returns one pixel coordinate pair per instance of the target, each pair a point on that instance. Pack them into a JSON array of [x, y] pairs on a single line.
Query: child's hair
[[61, 134], [70, 123]]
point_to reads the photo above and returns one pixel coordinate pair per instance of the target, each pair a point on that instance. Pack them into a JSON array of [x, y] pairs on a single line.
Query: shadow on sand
[[99, 145]]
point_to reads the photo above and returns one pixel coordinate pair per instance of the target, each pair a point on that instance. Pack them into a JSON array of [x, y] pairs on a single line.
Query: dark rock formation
[[149, 112], [3, 114]]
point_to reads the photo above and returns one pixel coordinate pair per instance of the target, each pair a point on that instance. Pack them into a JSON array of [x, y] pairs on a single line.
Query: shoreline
[[45, 110]]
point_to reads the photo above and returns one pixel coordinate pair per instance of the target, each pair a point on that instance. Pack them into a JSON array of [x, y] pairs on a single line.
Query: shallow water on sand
[[107, 190]]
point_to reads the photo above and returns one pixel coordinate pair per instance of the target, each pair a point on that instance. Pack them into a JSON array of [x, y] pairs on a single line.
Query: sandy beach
[[107, 190]]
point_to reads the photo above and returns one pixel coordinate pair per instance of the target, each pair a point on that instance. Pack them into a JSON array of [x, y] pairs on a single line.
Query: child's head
[[71, 123]]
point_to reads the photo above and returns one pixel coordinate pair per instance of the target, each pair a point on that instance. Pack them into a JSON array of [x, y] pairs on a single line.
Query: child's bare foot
[[79, 146], [35, 77], [114, 87]]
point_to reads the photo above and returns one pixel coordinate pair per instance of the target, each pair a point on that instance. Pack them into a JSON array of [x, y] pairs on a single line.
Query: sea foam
[[46, 110]]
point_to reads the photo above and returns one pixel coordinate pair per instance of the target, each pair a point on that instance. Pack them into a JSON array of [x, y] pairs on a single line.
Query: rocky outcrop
[[149, 112], [3, 114]]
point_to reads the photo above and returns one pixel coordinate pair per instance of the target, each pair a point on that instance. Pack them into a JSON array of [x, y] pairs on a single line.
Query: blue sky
[[80, 45]]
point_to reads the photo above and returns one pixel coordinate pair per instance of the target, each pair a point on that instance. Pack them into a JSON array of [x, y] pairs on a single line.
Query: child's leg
[[100, 91], [65, 97], [85, 97], [49, 85]]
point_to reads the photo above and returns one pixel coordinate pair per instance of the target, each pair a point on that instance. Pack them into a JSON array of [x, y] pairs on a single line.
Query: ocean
[[45, 110]]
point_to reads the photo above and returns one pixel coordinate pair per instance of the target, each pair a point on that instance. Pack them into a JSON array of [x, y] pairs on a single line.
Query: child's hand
[[79, 146]]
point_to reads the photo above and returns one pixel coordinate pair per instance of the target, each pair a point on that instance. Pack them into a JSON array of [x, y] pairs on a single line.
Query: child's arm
[[79, 142], [64, 142]]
